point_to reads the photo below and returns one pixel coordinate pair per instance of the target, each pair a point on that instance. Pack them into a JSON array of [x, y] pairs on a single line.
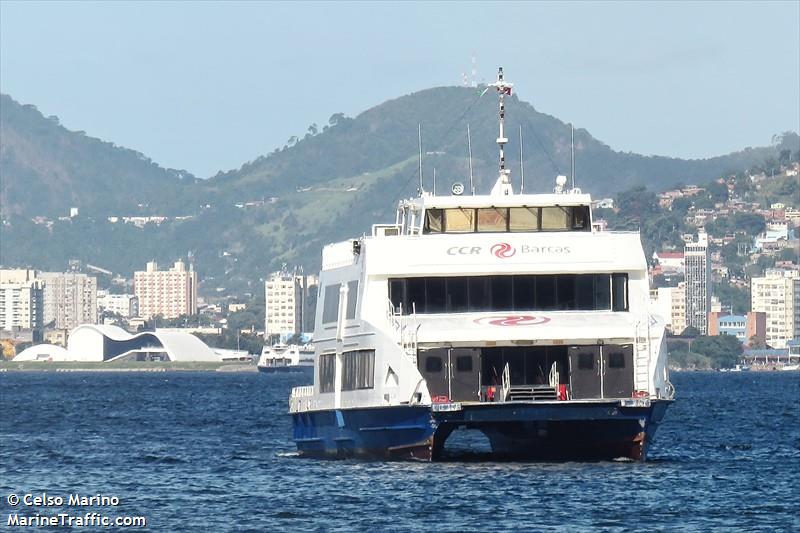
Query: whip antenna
[[521, 166], [419, 134], [469, 147]]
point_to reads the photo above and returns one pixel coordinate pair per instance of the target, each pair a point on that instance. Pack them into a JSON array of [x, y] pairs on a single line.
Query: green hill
[[45, 169], [283, 207]]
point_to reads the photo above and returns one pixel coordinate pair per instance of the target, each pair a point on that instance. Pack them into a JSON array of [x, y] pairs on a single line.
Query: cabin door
[[464, 365], [584, 372], [617, 371], [433, 365]]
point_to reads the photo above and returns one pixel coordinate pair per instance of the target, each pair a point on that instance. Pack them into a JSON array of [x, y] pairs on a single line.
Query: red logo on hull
[[512, 320]]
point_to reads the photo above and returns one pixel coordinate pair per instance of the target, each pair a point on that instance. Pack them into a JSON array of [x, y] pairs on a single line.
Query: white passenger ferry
[[507, 313], [279, 358]]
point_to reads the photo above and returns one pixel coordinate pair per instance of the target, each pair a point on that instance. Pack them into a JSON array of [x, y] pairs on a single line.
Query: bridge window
[[507, 219], [523, 219], [459, 220], [330, 307], [352, 299], [493, 219], [559, 292]]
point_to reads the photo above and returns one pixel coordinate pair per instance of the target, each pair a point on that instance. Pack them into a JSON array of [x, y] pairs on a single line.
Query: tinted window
[[330, 307], [580, 218], [523, 219], [433, 364], [619, 292], [435, 297], [457, 295], [616, 360], [546, 292], [459, 220], [555, 218], [434, 221], [464, 363], [327, 370], [501, 293], [492, 219], [352, 299], [524, 293]]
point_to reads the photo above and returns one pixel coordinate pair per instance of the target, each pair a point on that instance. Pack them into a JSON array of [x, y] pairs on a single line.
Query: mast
[[503, 184]]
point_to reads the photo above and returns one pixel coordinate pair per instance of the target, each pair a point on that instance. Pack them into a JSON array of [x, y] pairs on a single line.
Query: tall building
[[21, 300], [169, 293], [778, 295], [283, 292], [125, 305], [670, 303], [698, 283], [70, 299]]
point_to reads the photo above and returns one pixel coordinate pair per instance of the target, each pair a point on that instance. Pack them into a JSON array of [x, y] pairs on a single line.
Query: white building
[[169, 293], [70, 299], [698, 283], [96, 343], [670, 304], [125, 305], [283, 292], [777, 294], [21, 300]]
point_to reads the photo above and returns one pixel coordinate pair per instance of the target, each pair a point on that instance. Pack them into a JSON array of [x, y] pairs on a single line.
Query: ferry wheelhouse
[[507, 313]]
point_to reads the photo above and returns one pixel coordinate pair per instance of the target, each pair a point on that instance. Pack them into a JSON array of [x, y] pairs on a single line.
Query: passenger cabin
[[493, 298]]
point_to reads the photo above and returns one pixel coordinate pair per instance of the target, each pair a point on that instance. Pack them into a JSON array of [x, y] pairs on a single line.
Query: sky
[[209, 86]]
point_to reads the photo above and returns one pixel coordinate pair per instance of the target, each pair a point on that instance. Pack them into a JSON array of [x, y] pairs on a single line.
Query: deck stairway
[[530, 393]]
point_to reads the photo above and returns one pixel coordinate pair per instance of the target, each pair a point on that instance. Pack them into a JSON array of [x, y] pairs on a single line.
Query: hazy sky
[[208, 86]]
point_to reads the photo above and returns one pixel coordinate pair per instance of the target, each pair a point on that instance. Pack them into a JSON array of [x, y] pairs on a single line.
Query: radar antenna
[[503, 184]]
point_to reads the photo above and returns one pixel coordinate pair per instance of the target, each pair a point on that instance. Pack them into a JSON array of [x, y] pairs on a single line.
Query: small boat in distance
[[279, 358]]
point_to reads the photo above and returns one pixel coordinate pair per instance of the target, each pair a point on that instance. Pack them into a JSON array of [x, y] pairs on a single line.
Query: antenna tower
[[503, 185]]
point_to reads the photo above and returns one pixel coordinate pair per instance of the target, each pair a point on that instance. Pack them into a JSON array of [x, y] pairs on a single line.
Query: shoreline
[[126, 367]]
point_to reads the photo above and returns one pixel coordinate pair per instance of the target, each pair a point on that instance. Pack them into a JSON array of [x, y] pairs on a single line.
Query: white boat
[[506, 313], [279, 357]]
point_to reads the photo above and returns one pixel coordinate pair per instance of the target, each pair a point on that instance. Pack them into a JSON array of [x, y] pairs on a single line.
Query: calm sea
[[212, 452]]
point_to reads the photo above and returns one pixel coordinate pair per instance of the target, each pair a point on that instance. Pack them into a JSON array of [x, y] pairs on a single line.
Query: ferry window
[[480, 297], [358, 370], [415, 290], [546, 292], [397, 293], [327, 371], [523, 219], [464, 363], [493, 219], [459, 220], [435, 297], [433, 364], [555, 218], [352, 299], [457, 301], [619, 292], [502, 294], [330, 307], [565, 291], [580, 218], [584, 292], [602, 291], [524, 292], [616, 360], [585, 361], [433, 221]]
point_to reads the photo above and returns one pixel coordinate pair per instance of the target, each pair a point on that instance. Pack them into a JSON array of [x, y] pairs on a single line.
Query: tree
[[690, 331]]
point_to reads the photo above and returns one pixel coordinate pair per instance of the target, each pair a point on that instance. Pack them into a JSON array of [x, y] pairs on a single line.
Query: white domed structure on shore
[[99, 343]]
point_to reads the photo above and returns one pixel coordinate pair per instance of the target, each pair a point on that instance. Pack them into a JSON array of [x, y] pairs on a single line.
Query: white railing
[[301, 399], [306, 391], [506, 382]]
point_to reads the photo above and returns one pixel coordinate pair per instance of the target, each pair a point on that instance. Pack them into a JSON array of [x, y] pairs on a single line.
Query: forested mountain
[[45, 169], [331, 184]]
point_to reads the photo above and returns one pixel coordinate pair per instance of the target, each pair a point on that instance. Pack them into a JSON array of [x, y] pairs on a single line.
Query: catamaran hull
[[531, 431]]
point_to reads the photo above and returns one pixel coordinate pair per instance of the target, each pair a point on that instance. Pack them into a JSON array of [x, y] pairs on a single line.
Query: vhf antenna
[[469, 147], [419, 134], [521, 166], [572, 135]]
